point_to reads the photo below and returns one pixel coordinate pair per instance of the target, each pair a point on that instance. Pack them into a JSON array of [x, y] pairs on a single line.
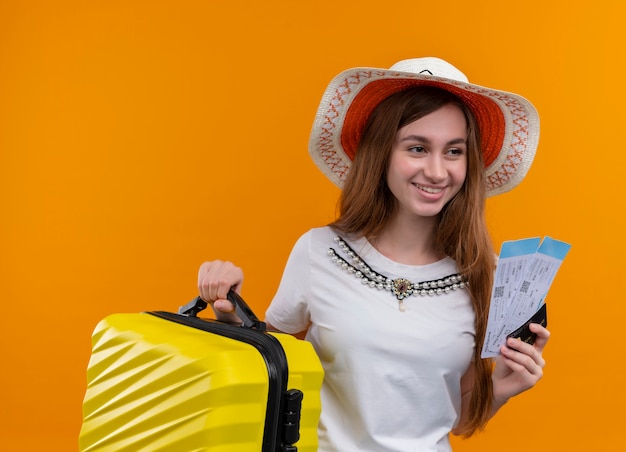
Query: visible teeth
[[429, 189]]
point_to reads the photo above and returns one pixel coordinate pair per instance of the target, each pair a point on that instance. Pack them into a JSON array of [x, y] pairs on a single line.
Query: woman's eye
[[417, 149], [455, 151]]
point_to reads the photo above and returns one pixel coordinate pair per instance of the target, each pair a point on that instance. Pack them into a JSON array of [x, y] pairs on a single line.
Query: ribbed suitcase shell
[[154, 384]]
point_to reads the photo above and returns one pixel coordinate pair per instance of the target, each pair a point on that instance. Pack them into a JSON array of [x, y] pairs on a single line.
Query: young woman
[[394, 294]]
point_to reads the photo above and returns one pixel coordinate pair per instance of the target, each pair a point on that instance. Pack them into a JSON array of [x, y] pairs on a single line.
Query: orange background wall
[[139, 138]]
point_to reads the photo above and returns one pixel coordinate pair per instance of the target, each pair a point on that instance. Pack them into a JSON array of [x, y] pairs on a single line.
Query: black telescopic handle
[[243, 311]]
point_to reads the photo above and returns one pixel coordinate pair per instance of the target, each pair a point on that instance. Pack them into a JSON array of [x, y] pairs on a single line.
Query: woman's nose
[[435, 168]]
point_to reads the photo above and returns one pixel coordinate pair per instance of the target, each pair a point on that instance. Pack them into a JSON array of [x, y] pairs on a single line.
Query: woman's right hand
[[215, 280]]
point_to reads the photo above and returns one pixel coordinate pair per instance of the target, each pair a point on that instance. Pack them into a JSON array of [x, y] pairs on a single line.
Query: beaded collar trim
[[400, 287]]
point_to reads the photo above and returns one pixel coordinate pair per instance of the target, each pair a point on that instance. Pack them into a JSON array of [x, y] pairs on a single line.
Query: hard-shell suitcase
[[160, 381]]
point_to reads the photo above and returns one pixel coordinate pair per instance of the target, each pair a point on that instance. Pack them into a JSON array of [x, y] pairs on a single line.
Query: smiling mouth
[[429, 189]]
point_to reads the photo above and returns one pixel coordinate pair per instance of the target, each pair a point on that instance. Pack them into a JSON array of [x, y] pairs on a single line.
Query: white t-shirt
[[392, 378]]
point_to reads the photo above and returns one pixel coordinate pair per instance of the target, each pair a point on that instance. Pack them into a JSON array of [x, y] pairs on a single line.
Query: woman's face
[[428, 162]]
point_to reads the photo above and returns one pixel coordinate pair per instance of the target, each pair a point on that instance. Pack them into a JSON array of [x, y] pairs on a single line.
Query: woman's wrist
[[498, 402]]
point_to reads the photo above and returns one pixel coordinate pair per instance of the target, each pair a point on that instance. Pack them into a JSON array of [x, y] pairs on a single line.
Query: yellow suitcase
[[161, 381]]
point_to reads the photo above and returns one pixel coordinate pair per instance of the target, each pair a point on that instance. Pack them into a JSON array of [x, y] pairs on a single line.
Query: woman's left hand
[[519, 366]]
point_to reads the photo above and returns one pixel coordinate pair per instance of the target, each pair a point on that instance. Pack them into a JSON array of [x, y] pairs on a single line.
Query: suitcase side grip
[[291, 419], [243, 311]]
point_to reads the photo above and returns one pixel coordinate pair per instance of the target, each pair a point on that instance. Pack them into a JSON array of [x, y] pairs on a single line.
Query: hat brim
[[508, 123]]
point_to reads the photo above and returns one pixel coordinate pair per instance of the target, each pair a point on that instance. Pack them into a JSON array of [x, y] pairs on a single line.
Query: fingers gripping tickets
[[520, 365]]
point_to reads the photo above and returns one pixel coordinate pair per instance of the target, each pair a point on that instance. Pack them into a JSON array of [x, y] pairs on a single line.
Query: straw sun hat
[[509, 124]]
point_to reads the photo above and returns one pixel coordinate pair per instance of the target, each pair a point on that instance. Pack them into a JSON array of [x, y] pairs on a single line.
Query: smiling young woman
[[394, 293]]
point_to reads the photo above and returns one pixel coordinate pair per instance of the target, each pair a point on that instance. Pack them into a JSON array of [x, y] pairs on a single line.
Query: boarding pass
[[524, 274]]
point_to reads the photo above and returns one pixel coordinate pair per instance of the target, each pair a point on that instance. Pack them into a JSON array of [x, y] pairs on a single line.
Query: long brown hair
[[366, 206]]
